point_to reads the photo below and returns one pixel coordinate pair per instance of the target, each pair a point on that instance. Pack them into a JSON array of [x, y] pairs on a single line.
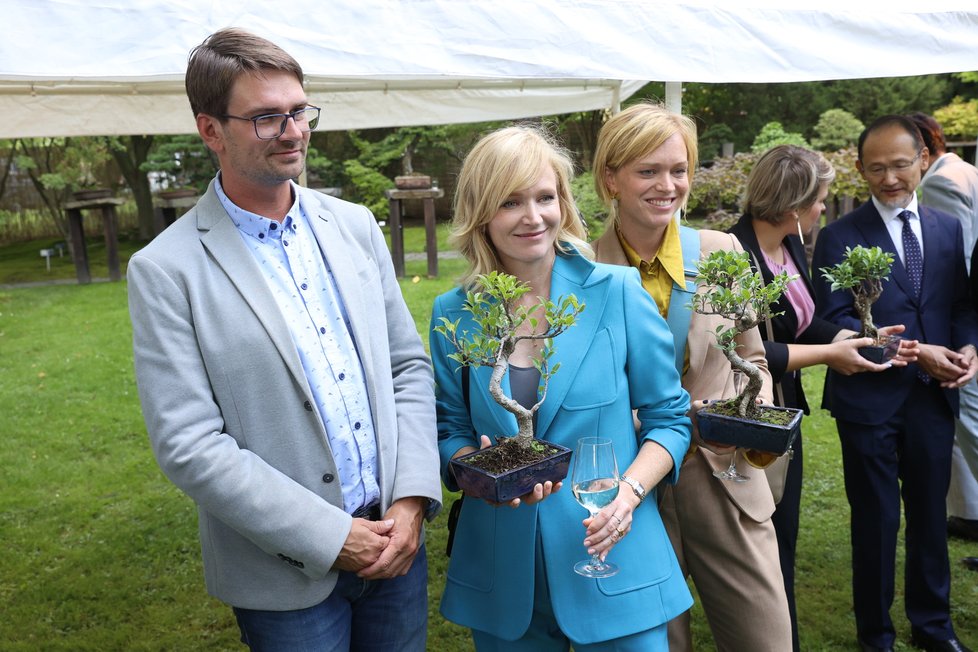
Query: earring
[[800, 234]]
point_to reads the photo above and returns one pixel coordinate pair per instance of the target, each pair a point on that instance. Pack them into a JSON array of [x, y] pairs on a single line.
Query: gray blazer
[[951, 185], [229, 411]]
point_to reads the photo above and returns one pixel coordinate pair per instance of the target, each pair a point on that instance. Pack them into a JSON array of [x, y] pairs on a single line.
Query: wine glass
[[731, 473], [594, 482]]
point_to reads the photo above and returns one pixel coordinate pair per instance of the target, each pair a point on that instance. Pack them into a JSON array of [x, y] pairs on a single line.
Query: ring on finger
[[615, 516], [621, 533]]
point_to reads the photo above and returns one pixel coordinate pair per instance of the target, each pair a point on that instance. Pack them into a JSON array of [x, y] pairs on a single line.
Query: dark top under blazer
[[785, 325]]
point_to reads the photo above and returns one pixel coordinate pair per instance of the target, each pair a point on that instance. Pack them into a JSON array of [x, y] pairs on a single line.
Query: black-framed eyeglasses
[[879, 171], [272, 125]]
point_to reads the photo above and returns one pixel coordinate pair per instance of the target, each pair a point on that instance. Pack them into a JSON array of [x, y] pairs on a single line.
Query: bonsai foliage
[[727, 286], [498, 317], [862, 272]]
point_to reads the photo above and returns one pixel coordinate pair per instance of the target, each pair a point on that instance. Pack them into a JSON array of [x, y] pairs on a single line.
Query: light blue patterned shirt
[[304, 289]]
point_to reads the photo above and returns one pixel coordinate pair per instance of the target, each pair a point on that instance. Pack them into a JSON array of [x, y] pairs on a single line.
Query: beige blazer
[[709, 375]]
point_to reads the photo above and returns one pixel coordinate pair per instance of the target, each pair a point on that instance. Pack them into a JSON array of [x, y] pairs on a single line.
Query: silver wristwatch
[[636, 487]]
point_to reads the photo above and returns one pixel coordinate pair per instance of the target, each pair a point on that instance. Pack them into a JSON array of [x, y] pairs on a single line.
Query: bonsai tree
[[498, 317], [862, 272], [730, 288]]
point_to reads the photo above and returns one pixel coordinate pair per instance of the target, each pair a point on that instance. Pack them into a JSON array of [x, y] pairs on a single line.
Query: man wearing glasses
[[283, 383], [897, 427]]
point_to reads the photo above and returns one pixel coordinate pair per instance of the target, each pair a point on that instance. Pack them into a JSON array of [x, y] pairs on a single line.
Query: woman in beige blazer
[[721, 530]]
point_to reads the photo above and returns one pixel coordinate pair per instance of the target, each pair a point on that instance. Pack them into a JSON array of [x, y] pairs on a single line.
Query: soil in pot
[[510, 454]]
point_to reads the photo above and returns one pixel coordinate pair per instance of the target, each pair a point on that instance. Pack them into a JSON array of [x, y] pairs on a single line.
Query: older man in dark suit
[[897, 427]]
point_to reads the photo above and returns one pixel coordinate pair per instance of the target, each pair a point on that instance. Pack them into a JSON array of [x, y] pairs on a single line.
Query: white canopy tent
[[81, 67]]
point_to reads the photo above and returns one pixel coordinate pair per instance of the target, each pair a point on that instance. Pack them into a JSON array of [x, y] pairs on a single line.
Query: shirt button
[[356, 426], [322, 330], [285, 243], [327, 478], [273, 226], [342, 376], [261, 236], [304, 286], [308, 406]]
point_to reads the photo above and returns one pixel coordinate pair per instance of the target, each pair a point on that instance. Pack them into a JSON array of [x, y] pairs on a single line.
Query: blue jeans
[[367, 616]]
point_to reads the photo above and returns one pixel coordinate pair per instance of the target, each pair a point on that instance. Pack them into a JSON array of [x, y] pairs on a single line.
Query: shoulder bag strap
[[680, 302]]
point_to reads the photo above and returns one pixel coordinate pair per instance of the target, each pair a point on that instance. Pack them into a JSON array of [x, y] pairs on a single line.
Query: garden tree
[[959, 119], [868, 99], [323, 172], [773, 134], [58, 166], [746, 108], [848, 182], [579, 133], [721, 185], [836, 129], [393, 153], [130, 153], [181, 162], [9, 149], [718, 189], [712, 139], [964, 85], [589, 205]]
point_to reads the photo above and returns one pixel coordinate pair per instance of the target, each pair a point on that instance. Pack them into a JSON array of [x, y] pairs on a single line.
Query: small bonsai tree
[[730, 288], [862, 272], [498, 316]]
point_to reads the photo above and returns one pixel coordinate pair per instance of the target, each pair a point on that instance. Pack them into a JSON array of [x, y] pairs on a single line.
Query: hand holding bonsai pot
[[728, 287], [496, 312], [862, 271]]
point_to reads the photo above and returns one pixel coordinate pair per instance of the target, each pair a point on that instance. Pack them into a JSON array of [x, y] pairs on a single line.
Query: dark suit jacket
[[785, 325], [943, 314]]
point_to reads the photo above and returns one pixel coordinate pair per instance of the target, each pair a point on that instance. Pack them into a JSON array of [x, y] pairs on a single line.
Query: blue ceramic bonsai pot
[[747, 433], [503, 487], [883, 352]]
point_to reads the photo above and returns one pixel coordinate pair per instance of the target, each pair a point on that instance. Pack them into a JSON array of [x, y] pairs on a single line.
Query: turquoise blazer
[[618, 357]]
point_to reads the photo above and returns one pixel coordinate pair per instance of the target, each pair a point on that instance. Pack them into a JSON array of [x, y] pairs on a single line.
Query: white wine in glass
[[594, 482]]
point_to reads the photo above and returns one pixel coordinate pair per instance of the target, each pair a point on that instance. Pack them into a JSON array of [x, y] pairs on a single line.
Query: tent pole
[[616, 98], [674, 96], [674, 103]]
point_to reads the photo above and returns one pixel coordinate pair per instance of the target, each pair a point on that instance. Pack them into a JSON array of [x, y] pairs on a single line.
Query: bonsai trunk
[[747, 399], [864, 298], [862, 306], [524, 417]]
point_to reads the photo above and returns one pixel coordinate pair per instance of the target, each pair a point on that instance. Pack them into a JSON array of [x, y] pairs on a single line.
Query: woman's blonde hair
[[501, 163], [638, 130], [786, 178]]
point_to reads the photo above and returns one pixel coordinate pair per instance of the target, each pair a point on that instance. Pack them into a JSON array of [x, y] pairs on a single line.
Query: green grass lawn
[[101, 552]]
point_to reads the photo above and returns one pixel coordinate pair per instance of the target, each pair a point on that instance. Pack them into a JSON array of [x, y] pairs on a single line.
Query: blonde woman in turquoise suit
[[511, 577]]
